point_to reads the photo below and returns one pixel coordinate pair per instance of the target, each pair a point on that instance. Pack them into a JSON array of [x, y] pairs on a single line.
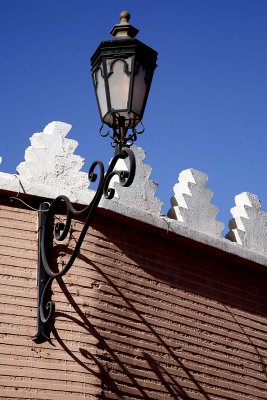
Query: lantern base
[[124, 131]]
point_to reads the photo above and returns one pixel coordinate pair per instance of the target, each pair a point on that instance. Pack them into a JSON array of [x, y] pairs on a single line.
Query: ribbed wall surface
[[29, 370], [141, 315], [176, 322]]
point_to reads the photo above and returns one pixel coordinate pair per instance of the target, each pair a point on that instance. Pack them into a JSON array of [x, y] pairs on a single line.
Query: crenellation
[[248, 225], [141, 193], [51, 169], [50, 159], [191, 203]]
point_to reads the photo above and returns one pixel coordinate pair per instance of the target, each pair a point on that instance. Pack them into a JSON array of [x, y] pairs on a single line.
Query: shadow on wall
[[195, 268], [109, 356], [200, 294]]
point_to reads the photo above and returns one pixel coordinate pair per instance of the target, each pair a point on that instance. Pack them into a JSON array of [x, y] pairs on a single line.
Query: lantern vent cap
[[124, 29]]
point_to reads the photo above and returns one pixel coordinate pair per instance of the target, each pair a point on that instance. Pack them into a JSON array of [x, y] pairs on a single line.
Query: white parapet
[[141, 193], [50, 164], [248, 225], [50, 159], [191, 203], [51, 169]]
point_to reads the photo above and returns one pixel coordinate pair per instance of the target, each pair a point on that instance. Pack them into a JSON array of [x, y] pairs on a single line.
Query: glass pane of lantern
[[119, 72], [100, 91], [139, 89]]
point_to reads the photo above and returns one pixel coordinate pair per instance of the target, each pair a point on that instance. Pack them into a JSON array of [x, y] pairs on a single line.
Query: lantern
[[122, 71]]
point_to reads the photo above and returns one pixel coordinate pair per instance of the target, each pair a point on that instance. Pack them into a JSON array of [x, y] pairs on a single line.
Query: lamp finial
[[125, 17], [124, 29]]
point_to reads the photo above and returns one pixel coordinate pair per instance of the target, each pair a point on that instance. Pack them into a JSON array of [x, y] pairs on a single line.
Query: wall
[[28, 370], [145, 313], [155, 306]]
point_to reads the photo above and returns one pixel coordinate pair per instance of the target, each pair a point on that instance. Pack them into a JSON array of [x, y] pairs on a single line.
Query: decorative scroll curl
[[61, 230], [130, 130]]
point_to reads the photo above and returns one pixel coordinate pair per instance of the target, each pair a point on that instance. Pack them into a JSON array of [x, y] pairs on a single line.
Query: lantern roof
[[124, 29], [124, 41]]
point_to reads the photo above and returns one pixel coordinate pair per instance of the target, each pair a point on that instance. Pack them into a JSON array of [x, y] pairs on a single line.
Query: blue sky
[[208, 101]]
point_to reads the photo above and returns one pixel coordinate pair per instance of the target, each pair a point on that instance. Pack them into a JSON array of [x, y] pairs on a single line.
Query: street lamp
[[122, 71]]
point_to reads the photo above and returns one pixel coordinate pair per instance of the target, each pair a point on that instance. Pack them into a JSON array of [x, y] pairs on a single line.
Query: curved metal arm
[[46, 274]]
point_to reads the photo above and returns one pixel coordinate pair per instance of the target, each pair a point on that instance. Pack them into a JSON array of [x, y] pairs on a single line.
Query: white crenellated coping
[[191, 203], [50, 159], [248, 225], [51, 169], [141, 193]]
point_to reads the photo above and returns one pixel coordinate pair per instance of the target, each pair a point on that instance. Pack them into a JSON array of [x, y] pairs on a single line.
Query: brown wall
[[143, 314]]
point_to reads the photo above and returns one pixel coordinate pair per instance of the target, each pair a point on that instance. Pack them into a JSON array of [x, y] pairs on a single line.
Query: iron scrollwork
[[46, 272], [124, 131]]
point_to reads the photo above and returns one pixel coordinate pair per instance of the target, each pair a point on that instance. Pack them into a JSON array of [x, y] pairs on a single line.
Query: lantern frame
[[139, 63]]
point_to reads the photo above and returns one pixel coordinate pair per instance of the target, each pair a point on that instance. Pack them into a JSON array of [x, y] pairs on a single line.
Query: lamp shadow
[[171, 385], [211, 268]]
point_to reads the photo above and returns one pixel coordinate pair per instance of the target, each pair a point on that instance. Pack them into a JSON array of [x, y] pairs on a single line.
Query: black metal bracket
[[42, 333], [46, 272]]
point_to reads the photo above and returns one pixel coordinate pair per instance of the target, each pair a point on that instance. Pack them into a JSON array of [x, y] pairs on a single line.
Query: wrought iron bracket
[[42, 333], [46, 272]]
